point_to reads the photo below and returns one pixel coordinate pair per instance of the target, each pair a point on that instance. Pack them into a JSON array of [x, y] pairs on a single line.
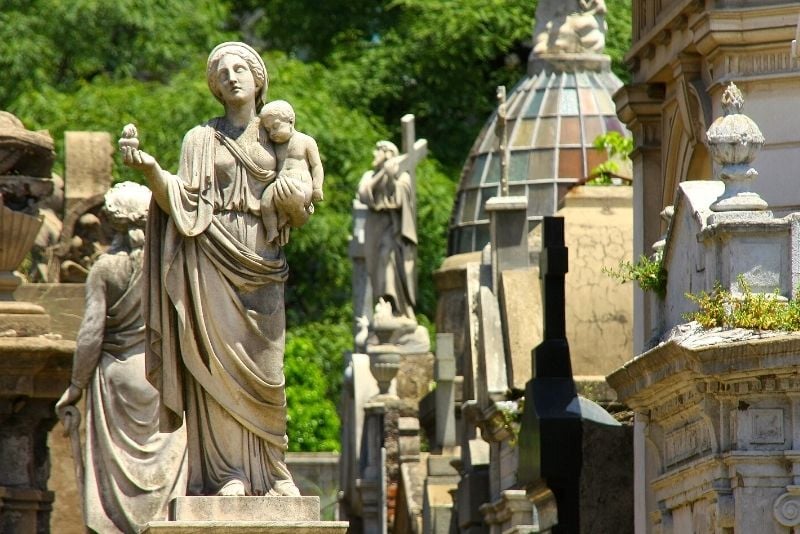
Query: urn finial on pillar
[[734, 140]]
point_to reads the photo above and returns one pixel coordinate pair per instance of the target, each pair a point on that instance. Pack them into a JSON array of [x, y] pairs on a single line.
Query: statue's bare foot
[[286, 488], [234, 488]]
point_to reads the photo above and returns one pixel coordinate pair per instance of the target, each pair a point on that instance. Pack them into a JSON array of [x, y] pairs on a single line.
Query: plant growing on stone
[[648, 273], [619, 148], [511, 413], [755, 311]]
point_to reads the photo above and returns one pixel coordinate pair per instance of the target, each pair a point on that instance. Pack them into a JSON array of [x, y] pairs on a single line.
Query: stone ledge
[[261, 509], [246, 527]]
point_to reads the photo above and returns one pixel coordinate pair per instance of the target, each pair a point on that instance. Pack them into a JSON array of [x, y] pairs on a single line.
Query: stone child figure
[[390, 231], [132, 470], [571, 26], [214, 288], [298, 161]]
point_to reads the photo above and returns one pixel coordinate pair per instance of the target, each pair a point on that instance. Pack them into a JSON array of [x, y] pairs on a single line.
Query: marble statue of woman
[[132, 470], [214, 288]]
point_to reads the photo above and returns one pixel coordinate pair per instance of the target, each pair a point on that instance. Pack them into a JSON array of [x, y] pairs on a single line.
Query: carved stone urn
[[734, 140], [384, 362], [17, 234]]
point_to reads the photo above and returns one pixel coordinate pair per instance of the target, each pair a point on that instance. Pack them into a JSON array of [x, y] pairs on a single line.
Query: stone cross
[[414, 150], [502, 135], [552, 356]]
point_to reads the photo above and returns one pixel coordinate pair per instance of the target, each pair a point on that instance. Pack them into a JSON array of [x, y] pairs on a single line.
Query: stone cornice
[[746, 26], [684, 26], [703, 355]]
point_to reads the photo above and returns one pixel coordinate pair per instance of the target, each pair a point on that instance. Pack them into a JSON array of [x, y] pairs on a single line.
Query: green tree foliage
[[313, 369], [441, 61], [438, 59], [350, 68], [52, 43], [618, 37]]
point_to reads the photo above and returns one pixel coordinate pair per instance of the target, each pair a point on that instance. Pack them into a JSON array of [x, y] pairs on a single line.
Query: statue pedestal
[[245, 515]]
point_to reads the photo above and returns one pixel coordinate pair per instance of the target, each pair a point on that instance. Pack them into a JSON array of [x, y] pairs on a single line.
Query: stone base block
[[244, 509], [245, 515], [246, 527], [23, 319], [523, 529]]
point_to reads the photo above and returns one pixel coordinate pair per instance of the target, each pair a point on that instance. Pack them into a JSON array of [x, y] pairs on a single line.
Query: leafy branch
[[618, 148], [648, 273]]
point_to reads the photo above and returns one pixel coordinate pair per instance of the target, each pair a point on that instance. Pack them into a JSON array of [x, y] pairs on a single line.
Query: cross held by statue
[[414, 150]]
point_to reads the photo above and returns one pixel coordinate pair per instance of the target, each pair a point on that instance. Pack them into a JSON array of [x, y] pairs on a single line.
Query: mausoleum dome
[[553, 116]]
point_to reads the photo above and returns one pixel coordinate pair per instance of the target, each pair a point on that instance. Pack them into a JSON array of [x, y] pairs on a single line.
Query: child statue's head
[[125, 207], [278, 119]]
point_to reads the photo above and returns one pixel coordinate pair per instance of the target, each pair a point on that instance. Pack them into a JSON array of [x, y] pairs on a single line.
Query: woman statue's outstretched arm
[[155, 176]]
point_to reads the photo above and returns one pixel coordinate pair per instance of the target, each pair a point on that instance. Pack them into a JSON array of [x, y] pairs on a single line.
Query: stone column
[[639, 107], [362, 291], [639, 472], [445, 373], [437, 504], [509, 234], [372, 483]]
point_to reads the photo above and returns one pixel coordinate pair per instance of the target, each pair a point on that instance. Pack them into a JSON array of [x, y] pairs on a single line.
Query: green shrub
[[755, 311]]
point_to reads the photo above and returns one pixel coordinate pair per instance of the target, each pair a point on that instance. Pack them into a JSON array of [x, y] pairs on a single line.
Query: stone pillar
[[742, 237], [445, 373], [362, 291], [473, 485], [437, 504], [89, 160], [639, 107], [372, 483], [640, 481], [509, 234]]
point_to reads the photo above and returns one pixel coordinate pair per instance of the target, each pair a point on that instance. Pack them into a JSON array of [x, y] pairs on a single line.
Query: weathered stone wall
[[599, 234], [607, 479]]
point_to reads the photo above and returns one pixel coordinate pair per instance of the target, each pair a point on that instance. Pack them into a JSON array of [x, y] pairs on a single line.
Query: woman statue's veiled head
[[253, 60]]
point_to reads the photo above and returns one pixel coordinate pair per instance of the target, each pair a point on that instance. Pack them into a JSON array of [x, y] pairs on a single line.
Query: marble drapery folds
[[214, 309]]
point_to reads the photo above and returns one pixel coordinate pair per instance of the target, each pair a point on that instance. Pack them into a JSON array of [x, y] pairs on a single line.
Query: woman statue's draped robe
[[132, 470], [214, 310]]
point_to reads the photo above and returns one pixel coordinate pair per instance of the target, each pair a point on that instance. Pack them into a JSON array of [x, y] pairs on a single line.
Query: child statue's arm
[[315, 167]]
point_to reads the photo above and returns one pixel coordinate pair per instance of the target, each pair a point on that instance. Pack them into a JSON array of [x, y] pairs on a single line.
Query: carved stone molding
[[676, 404], [689, 441], [787, 507]]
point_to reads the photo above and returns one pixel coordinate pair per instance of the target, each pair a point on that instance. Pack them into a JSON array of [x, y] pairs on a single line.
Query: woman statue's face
[[235, 81]]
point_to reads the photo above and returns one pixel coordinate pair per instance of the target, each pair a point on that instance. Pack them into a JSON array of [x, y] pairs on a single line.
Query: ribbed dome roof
[[553, 118]]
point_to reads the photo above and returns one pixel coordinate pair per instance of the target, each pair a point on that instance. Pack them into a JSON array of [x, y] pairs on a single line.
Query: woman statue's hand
[[70, 398], [147, 165], [290, 199], [139, 160]]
